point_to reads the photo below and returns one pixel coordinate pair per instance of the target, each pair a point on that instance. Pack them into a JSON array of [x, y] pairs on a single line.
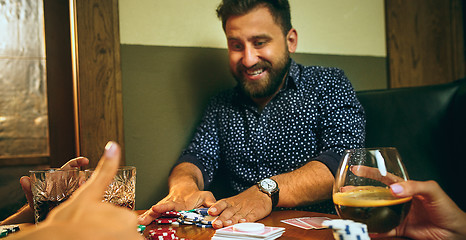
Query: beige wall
[[336, 27]]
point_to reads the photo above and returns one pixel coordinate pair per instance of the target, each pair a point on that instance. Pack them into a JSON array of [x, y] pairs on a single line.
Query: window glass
[[23, 99]]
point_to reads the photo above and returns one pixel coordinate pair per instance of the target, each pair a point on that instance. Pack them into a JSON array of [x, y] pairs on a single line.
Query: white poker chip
[[249, 227], [347, 229], [337, 223], [208, 219], [191, 216]]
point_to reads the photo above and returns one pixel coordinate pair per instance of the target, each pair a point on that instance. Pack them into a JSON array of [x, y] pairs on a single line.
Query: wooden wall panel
[[59, 82], [424, 42], [98, 76]]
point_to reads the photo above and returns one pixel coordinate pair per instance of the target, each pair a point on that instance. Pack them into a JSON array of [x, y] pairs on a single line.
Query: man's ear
[[292, 40]]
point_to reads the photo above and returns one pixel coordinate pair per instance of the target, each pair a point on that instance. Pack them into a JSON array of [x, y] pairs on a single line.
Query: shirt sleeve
[[203, 150], [342, 119]]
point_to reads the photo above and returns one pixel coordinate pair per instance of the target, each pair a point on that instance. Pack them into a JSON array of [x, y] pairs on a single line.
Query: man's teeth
[[255, 72]]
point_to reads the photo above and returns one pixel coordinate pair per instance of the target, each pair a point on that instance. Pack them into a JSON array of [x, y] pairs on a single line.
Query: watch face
[[268, 184]]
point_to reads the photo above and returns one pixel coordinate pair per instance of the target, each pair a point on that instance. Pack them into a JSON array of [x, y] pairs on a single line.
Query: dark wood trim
[[98, 76], [59, 82]]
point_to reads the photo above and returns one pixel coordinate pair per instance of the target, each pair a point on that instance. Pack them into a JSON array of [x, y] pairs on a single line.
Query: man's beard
[[267, 86]]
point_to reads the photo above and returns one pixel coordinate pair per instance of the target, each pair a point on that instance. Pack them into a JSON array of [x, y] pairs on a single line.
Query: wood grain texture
[[98, 72], [425, 43]]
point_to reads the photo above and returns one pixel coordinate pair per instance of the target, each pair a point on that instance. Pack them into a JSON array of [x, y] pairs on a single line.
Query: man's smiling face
[[258, 51]]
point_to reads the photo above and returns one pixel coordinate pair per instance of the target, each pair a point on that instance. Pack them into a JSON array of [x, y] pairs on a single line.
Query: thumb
[[104, 173], [430, 190]]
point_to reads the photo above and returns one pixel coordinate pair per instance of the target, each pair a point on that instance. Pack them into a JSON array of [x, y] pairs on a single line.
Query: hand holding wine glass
[[361, 191]]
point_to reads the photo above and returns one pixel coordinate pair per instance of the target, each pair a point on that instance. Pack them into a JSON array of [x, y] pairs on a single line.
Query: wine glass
[[361, 191]]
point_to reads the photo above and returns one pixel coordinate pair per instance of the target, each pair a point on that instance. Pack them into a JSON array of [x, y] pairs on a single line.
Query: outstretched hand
[[177, 200], [433, 215], [248, 206], [84, 215]]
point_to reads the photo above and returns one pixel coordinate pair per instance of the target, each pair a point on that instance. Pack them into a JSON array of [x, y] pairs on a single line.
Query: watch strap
[[275, 196]]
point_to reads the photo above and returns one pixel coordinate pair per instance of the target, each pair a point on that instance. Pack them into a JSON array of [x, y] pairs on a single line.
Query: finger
[[430, 190], [223, 210], [75, 162], [374, 173], [103, 174], [209, 199], [164, 207], [147, 217], [26, 186], [249, 217]]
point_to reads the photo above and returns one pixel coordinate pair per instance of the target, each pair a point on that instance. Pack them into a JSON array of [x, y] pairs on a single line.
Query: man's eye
[[236, 47], [260, 43]]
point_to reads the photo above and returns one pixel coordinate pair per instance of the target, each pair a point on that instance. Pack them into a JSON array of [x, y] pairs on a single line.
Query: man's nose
[[250, 57]]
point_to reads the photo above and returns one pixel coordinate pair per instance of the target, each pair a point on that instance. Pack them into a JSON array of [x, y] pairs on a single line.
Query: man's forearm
[[312, 182], [186, 175]]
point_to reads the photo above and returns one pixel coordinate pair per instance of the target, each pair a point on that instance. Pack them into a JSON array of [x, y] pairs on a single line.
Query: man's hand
[[183, 198], [248, 206], [84, 215]]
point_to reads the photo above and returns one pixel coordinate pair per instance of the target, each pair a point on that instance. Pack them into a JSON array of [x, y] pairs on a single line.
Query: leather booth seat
[[426, 124], [428, 127]]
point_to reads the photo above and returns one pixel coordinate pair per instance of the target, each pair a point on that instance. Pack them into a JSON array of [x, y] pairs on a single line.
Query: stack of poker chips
[[347, 229], [8, 229], [162, 234], [198, 217]]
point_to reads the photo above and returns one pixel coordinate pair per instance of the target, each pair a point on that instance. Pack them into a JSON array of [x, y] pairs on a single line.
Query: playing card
[[263, 234], [295, 222], [315, 222]]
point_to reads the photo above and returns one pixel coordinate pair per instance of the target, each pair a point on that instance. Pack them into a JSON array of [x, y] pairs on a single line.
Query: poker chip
[[249, 227], [198, 217], [347, 229], [203, 225], [171, 214], [162, 233], [3, 233], [202, 211], [10, 228], [7, 229], [192, 216], [141, 228], [185, 222], [165, 220], [208, 219]]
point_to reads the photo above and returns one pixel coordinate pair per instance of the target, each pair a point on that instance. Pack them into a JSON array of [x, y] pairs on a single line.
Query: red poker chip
[[162, 230], [162, 233], [171, 214], [165, 220], [163, 237]]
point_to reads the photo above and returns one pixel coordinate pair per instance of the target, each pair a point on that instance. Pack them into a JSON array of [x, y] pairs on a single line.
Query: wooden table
[[291, 232]]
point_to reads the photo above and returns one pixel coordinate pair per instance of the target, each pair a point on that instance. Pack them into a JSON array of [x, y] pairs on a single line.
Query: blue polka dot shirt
[[315, 116]]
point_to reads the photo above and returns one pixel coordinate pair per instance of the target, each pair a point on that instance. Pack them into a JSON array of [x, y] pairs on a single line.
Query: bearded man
[[279, 133]]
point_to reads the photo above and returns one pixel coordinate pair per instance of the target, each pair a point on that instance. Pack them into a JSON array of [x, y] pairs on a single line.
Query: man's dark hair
[[280, 10]]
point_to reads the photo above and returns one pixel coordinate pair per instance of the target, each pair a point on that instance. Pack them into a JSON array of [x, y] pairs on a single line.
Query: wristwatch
[[269, 187]]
